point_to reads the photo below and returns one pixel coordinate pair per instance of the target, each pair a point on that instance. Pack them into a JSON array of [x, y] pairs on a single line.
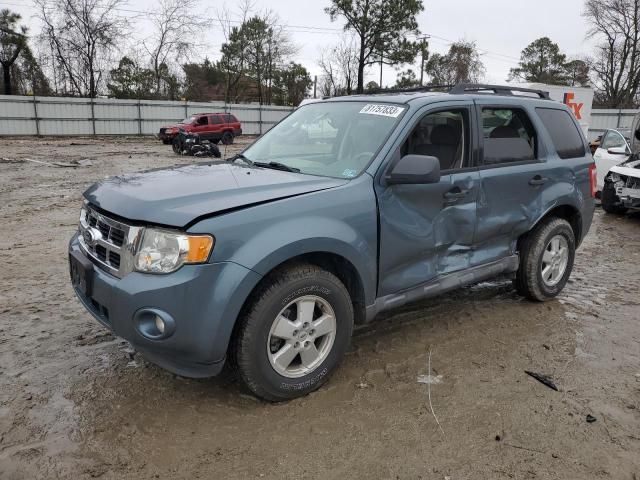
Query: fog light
[[159, 324]]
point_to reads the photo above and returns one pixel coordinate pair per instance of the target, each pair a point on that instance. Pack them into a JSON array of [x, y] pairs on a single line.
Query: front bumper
[[203, 300]]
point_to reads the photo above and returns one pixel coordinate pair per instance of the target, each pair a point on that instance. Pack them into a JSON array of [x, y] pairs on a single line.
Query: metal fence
[[603, 119], [108, 116], [32, 115]]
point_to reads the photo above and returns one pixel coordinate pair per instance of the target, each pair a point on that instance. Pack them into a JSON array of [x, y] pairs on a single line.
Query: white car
[[613, 150]]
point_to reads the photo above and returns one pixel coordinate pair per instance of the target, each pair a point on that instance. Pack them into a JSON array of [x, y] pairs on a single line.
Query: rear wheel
[[546, 260], [294, 333], [610, 201], [227, 138]]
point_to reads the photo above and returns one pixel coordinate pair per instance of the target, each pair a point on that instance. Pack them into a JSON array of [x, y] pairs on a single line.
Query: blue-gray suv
[[348, 207]]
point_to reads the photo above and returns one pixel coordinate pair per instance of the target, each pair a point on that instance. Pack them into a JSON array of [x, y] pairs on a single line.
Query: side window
[[202, 120], [613, 139], [215, 119], [564, 133], [509, 136], [443, 135], [228, 118]]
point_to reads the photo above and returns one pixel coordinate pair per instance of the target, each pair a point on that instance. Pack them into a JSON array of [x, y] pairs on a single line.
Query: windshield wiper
[[240, 156], [277, 166]]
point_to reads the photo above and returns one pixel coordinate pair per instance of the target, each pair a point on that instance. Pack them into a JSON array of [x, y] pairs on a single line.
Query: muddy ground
[[75, 402]]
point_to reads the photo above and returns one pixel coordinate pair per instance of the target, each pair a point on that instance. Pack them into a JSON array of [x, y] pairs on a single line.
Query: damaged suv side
[[347, 208]]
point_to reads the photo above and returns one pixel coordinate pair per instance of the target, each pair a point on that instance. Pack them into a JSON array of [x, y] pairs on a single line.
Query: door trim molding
[[442, 284]]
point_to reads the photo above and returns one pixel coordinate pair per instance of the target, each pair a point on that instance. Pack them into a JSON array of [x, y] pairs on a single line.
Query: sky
[[500, 28]]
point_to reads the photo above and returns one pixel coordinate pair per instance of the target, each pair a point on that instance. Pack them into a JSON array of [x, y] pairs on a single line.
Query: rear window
[[564, 134]]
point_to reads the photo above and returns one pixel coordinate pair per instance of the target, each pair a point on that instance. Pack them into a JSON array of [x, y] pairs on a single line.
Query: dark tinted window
[[442, 135], [215, 119], [509, 136], [564, 133], [228, 118], [201, 121]]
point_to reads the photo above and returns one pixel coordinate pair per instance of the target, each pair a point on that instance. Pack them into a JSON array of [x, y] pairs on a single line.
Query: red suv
[[215, 127]]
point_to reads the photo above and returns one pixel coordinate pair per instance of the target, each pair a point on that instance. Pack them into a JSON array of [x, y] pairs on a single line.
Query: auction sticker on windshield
[[384, 110]]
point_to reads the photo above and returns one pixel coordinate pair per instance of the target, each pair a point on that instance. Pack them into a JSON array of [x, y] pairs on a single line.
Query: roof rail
[[425, 88], [495, 90]]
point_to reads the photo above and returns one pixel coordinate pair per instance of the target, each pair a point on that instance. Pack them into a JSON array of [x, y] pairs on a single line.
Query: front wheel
[[293, 334], [610, 200], [546, 260], [177, 146]]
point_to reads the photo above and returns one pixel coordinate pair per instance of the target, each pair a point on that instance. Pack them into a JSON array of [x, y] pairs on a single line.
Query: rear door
[[514, 172], [427, 230], [215, 127]]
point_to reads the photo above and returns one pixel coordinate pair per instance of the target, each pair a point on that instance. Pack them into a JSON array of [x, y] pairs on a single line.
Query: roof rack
[[481, 88]]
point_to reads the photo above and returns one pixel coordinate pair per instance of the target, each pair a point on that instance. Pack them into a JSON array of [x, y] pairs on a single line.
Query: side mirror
[[415, 169], [618, 151]]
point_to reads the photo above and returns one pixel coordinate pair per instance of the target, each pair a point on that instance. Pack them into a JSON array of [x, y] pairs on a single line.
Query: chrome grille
[[109, 243]]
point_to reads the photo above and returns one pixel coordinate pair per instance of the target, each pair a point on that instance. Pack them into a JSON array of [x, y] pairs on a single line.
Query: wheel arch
[[568, 212]]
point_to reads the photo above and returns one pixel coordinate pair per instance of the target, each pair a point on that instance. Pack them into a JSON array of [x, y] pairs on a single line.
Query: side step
[[442, 284]]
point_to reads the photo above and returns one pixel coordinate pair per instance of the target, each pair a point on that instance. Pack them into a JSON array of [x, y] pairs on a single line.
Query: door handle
[[455, 194], [538, 180]]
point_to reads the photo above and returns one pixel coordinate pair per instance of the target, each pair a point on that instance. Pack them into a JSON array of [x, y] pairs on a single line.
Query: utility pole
[[315, 85], [424, 45], [381, 63]]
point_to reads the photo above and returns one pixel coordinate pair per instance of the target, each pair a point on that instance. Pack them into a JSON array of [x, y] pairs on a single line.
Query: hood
[[630, 168], [177, 196]]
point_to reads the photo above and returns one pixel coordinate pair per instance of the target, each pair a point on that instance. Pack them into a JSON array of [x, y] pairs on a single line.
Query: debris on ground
[[591, 418], [544, 379]]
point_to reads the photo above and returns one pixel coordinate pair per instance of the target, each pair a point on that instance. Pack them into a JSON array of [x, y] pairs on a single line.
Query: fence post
[[93, 117], [260, 119], [186, 110], [35, 112], [619, 118], [139, 119]]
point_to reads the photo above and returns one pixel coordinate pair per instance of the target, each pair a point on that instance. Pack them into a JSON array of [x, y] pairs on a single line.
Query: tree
[[381, 28], [11, 44], [203, 81], [128, 80], [577, 73], [541, 62], [82, 35], [261, 45], [339, 66], [176, 29], [616, 63], [461, 64], [291, 84], [407, 79]]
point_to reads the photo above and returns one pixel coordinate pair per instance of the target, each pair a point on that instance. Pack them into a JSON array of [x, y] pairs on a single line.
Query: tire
[[610, 201], [255, 344], [177, 146], [535, 251], [227, 138]]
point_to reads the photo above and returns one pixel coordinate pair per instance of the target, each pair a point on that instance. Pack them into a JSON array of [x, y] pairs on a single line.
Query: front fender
[[341, 221]]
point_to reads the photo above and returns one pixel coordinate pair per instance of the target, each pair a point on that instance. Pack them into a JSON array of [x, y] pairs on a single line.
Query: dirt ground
[[75, 402]]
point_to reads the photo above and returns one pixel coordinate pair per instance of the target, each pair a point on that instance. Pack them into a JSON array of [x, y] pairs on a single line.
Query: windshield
[[333, 139], [188, 120]]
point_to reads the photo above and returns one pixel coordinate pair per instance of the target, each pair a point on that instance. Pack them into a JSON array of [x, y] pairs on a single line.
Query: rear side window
[[509, 136], [563, 131], [215, 119], [228, 118]]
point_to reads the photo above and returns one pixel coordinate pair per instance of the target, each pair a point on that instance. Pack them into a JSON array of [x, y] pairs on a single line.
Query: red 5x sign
[[576, 107]]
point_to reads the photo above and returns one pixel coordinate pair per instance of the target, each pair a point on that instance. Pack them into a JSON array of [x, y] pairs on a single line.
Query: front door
[[605, 161], [427, 230]]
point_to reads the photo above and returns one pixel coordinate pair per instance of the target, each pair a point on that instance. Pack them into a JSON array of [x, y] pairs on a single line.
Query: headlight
[[163, 251]]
